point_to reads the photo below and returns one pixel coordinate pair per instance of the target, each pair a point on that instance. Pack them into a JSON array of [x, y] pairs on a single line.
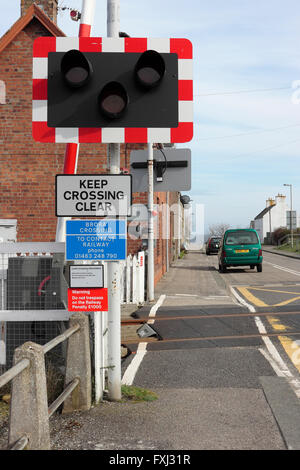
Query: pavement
[[273, 249]]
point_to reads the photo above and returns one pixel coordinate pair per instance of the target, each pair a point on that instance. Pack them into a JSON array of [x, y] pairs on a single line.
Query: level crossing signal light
[[150, 69], [134, 94], [112, 89], [76, 69], [113, 100]]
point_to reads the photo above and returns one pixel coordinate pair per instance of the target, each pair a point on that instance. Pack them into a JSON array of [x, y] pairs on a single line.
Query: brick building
[[28, 168]]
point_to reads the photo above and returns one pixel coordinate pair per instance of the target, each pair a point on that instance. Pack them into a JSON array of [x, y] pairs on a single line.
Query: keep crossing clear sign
[[93, 195], [96, 240]]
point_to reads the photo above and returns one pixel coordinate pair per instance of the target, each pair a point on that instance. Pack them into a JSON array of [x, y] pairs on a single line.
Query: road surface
[[229, 339]]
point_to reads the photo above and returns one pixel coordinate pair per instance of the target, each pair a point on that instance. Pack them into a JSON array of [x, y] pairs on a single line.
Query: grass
[[4, 411], [137, 394], [289, 248], [55, 382]]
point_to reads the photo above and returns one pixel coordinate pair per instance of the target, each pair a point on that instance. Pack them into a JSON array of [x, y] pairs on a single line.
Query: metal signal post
[[113, 267]]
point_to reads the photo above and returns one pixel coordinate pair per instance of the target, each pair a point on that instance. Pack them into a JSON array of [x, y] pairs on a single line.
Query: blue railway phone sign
[[102, 240]]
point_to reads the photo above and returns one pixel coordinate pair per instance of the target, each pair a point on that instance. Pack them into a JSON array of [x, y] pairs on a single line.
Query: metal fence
[[33, 293]]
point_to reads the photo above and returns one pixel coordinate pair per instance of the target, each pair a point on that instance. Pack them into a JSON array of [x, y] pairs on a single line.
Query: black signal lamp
[[112, 90], [150, 69], [76, 68], [113, 100]]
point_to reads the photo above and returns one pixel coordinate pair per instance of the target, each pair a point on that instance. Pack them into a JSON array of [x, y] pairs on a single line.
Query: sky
[[246, 142]]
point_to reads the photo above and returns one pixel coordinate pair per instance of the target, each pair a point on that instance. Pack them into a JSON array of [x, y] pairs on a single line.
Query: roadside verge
[[275, 252]]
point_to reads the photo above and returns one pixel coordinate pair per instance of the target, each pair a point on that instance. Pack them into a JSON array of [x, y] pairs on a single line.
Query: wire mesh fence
[[32, 289]]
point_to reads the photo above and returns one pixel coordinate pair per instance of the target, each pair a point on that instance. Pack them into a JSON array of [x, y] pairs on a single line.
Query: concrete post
[[29, 407], [79, 365]]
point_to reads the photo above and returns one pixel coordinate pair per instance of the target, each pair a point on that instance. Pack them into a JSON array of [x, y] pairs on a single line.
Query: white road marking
[[271, 348], [155, 308], [272, 362], [273, 356], [283, 268], [132, 369], [216, 296], [187, 295], [242, 301]]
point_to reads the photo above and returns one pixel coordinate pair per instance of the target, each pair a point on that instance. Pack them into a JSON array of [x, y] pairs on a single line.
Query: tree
[[218, 230]]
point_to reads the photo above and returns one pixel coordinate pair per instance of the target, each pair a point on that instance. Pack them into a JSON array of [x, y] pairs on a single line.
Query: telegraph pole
[[291, 211], [113, 267]]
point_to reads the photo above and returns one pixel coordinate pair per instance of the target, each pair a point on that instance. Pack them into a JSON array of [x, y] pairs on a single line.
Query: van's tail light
[[260, 253], [223, 254], [209, 243]]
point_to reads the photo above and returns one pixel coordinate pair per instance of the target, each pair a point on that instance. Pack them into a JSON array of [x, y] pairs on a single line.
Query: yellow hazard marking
[[286, 302], [292, 348], [274, 290], [245, 291], [254, 300], [276, 325]]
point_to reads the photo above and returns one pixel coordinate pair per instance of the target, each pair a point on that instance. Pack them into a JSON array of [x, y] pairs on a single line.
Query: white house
[[273, 216]]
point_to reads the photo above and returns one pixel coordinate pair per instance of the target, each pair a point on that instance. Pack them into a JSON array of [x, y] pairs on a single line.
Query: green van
[[240, 247]]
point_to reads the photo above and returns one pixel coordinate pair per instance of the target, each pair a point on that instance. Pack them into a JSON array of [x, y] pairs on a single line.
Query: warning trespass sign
[[88, 300], [93, 195]]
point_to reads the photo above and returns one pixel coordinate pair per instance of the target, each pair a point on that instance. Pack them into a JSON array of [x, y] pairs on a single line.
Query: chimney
[[48, 6], [270, 202], [280, 199]]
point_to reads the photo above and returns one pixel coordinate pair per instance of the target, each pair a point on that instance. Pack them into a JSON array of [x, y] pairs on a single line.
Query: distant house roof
[[33, 12], [263, 212]]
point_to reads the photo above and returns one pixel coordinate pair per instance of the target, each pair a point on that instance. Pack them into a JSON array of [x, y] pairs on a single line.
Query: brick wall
[[28, 168], [48, 6]]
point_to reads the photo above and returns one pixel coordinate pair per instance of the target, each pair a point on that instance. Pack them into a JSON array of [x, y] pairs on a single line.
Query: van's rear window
[[241, 238]]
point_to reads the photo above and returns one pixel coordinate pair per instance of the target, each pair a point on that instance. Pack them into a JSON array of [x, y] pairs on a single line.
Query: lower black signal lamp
[[113, 100]]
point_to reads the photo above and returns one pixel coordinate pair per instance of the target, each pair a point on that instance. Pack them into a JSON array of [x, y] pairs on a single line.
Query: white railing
[[133, 279], [286, 239]]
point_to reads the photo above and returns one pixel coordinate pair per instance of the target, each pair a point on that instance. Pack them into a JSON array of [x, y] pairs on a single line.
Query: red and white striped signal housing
[[112, 90]]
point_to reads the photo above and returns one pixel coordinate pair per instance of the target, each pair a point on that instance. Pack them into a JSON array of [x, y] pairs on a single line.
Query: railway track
[[211, 317]]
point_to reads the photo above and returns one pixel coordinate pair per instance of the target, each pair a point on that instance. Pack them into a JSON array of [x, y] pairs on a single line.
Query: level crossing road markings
[[291, 347], [132, 369], [245, 291]]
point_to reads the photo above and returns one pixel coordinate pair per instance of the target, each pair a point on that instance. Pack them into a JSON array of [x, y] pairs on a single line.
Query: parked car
[[213, 244], [240, 247]]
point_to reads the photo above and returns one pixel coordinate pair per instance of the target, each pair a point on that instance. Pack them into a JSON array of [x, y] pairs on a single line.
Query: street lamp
[[291, 220]]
